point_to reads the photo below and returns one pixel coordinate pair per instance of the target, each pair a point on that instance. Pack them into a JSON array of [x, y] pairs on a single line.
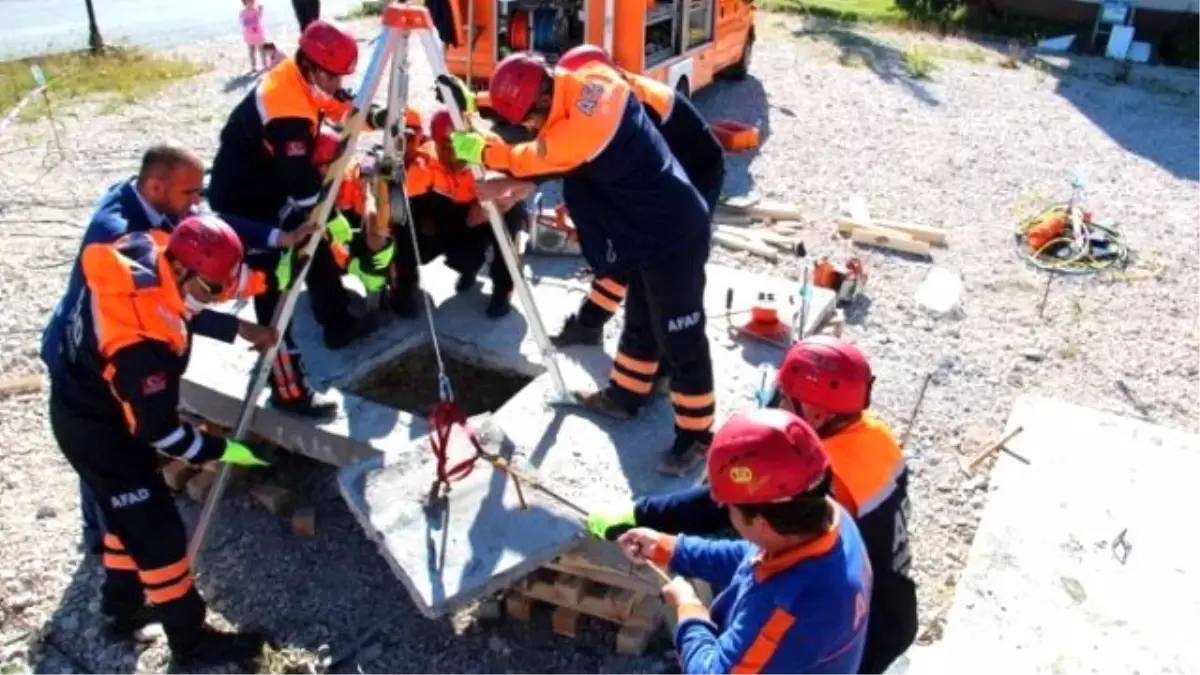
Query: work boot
[[124, 627], [342, 334], [211, 647], [575, 333], [608, 402], [499, 306], [686, 453], [313, 406]]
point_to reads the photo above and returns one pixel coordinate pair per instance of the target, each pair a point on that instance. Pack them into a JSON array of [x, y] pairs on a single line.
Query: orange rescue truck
[[684, 43]]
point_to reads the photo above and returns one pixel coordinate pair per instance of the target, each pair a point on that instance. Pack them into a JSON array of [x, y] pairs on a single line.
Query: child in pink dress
[[252, 32]]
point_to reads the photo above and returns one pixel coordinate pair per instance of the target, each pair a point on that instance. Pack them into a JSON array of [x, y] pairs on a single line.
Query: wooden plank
[[889, 239], [517, 606], [761, 210], [925, 233], [612, 578], [21, 384], [565, 621], [598, 604], [736, 243], [569, 589]]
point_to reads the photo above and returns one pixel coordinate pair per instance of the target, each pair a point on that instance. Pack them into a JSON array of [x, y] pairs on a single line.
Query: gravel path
[[969, 150]]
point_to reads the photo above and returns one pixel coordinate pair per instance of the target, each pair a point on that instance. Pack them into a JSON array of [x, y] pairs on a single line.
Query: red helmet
[[827, 372], [329, 142], [765, 455], [576, 57], [516, 85], [440, 126], [207, 246], [330, 47]]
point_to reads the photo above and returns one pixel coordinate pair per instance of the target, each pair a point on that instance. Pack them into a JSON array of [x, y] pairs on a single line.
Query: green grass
[[876, 11], [919, 62], [365, 9], [889, 13], [123, 75]]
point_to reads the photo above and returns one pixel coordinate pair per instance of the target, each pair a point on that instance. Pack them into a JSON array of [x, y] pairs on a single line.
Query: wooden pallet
[[607, 594]]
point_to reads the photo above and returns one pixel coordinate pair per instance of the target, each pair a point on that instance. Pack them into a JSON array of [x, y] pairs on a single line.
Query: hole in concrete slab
[[409, 382]]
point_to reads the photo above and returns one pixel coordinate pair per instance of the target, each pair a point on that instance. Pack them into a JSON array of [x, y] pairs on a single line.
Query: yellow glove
[[468, 146], [339, 229], [240, 454]]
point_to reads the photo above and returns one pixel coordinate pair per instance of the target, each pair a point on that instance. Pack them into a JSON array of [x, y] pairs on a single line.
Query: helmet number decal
[[742, 475]]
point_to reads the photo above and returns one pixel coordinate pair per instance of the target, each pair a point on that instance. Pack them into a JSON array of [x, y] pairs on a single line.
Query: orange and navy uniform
[[263, 168], [629, 197], [128, 346], [799, 611], [426, 173], [114, 406], [870, 480], [699, 153], [449, 220], [687, 134]]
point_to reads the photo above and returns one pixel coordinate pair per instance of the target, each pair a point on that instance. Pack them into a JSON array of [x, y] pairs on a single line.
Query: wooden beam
[[925, 233], [889, 239], [733, 241]]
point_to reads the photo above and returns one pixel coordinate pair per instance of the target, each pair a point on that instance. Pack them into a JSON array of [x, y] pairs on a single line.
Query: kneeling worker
[[796, 585], [636, 214], [359, 244], [699, 153], [449, 219], [114, 404], [827, 382]]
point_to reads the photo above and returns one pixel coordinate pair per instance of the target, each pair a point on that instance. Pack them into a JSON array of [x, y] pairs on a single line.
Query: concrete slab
[[1083, 561], [478, 539], [217, 378], [589, 459]]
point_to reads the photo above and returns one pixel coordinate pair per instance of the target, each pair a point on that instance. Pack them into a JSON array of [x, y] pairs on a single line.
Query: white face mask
[[192, 305]]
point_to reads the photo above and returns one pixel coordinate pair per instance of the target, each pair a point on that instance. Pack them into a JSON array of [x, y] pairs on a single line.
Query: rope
[[1048, 241]]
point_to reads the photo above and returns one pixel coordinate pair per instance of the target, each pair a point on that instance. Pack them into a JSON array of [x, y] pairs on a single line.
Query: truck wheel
[[741, 69]]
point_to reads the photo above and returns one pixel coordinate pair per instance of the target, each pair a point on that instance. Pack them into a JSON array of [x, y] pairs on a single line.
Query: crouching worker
[[114, 405], [827, 382], [449, 219], [796, 586], [360, 244]]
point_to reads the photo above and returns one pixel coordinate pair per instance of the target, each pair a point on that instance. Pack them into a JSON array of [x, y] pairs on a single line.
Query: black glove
[[343, 95], [463, 98], [377, 117]]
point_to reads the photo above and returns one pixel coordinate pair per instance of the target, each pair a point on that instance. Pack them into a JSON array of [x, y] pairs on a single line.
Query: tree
[[95, 42]]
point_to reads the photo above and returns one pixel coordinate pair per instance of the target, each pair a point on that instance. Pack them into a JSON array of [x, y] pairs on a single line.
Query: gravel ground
[[971, 150]]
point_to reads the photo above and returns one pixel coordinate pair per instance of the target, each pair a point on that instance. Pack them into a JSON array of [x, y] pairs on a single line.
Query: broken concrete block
[[199, 485], [274, 498], [304, 522]]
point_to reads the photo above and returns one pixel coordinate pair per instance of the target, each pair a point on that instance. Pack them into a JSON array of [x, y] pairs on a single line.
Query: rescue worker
[[263, 173], [359, 245], [827, 382], [637, 214], [796, 584], [693, 144], [166, 188], [449, 219], [114, 398]]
